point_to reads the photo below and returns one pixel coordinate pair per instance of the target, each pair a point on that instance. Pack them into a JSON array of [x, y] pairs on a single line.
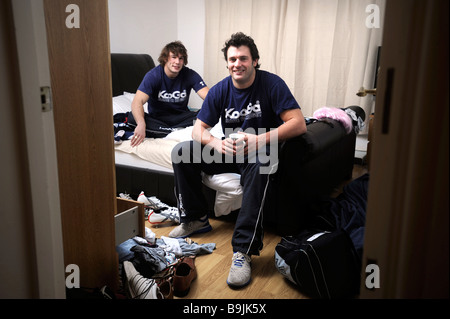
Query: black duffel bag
[[323, 264]]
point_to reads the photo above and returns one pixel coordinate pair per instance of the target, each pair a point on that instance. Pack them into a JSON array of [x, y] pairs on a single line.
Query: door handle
[[363, 92]]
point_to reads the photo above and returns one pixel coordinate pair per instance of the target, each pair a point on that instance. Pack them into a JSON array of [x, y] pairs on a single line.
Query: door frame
[[30, 33]]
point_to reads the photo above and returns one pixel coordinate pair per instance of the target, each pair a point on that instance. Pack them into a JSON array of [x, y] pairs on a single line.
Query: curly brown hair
[[175, 47], [238, 39]]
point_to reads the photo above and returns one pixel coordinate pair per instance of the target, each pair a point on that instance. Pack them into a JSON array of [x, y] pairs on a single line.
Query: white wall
[[146, 26], [191, 31], [141, 26]]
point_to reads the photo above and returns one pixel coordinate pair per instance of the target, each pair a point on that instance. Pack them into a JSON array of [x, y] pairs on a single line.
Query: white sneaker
[[125, 196], [168, 215], [194, 227], [241, 270], [156, 204], [143, 199], [158, 212], [138, 286]]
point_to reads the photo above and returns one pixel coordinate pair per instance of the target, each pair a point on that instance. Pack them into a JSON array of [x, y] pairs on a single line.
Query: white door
[[44, 208], [407, 215]]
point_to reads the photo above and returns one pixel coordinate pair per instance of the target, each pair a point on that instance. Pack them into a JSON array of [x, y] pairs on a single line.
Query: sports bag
[[323, 264]]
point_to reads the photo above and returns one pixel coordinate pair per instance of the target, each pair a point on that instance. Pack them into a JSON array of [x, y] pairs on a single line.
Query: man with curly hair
[[166, 88]]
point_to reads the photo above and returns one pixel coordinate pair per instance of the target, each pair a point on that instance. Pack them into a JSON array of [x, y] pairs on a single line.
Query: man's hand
[[137, 107], [139, 135], [236, 144]]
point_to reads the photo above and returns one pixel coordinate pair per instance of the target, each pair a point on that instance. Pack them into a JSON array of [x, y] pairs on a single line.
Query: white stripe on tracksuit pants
[[188, 164]]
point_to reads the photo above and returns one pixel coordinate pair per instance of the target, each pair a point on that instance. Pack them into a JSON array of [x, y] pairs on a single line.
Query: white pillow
[[226, 182], [225, 203], [122, 103], [228, 192], [131, 97]]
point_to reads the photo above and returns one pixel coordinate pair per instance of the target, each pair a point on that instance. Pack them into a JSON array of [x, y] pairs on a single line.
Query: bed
[[148, 168]]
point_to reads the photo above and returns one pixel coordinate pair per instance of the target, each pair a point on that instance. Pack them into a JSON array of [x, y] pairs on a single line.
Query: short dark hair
[[238, 39], [175, 47]]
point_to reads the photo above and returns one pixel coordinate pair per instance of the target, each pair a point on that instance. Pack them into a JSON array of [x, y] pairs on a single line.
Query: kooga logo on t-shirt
[[173, 97], [249, 112]]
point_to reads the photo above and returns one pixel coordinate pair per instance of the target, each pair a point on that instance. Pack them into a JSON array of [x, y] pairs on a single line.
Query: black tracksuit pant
[[163, 124], [190, 158]]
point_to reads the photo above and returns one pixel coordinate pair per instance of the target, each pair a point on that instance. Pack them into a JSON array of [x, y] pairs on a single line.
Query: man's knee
[[187, 152], [181, 153]]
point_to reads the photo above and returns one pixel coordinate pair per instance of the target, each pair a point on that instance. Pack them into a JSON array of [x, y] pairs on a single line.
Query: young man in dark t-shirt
[[260, 107], [166, 88]]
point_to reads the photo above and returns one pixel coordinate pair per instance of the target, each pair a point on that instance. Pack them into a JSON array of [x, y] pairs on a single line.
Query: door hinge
[[46, 99]]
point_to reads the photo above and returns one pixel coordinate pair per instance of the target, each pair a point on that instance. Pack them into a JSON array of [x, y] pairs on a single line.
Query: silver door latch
[[46, 99]]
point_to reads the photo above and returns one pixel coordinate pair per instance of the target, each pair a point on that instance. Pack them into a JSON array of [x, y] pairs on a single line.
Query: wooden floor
[[212, 269]]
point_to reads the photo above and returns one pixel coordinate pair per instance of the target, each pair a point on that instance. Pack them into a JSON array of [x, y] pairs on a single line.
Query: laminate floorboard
[[212, 269]]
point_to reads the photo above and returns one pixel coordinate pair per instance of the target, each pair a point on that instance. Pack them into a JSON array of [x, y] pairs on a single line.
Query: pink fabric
[[335, 114]]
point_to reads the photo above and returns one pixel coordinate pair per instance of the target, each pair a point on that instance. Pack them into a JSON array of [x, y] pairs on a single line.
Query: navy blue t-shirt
[[258, 106], [169, 95]]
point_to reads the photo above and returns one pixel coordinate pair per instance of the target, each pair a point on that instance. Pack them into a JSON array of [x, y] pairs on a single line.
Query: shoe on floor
[[139, 287], [158, 212], [185, 273], [194, 227], [125, 196], [166, 289], [241, 271], [169, 215], [143, 199]]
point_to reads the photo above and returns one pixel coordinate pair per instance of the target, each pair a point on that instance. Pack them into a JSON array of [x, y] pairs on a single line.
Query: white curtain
[[323, 49]]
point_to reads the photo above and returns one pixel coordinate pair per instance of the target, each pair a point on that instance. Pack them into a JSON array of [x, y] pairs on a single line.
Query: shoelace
[[172, 214], [238, 260], [157, 203], [162, 208]]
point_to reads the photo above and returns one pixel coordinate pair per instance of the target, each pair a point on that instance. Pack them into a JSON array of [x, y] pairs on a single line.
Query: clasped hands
[[239, 144]]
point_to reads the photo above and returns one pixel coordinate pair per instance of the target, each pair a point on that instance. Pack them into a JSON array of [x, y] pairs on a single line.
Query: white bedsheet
[[153, 150]]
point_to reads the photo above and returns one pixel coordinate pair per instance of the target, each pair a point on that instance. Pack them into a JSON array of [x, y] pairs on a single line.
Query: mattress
[[132, 160]]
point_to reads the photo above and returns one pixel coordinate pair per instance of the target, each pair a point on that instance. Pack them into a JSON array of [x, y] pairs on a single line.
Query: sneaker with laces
[[125, 196], [241, 271], [165, 216], [143, 199], [138, 286], [194, 227], [158, 212]]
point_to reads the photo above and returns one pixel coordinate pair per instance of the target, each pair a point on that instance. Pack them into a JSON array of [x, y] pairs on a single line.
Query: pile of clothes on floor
[[158, 268]]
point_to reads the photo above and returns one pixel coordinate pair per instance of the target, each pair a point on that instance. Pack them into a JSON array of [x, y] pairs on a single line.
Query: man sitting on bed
[[166, 88], [261, 106]]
